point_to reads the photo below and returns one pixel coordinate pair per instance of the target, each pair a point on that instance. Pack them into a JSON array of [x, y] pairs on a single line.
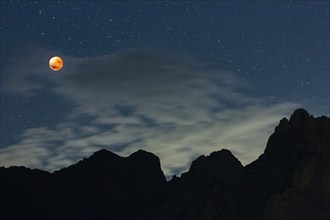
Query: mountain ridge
[[292, 174]]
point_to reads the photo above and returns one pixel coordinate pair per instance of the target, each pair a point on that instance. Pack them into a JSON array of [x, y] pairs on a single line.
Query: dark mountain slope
[[103, 186], [290, 180], [295, 168], [215, 187]]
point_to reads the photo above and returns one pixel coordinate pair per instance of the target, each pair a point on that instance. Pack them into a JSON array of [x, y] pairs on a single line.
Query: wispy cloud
[[172, 106]]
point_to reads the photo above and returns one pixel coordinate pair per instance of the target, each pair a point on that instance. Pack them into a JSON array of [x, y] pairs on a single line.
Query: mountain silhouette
[[290, 180]]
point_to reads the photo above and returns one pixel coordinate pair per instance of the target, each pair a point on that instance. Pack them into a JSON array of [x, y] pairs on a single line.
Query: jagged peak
[[142, 154], [300, 112], [283, 126], [98, 159], [216, 158], [284, 121], [298, 118], [104, 153], [222, 153]]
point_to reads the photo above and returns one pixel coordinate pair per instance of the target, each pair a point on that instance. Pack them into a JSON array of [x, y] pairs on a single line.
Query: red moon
[[56, 63]]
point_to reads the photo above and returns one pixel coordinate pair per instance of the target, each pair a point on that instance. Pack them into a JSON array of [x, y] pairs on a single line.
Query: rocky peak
[[104, 152], [283, 126], [103, 155], [144, 159], [302, 134], [219, 166], [145, 165], [143, 155], [299, 119], [215, 160]]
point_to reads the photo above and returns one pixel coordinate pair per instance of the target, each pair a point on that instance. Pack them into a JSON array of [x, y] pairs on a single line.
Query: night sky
[[178, 79]]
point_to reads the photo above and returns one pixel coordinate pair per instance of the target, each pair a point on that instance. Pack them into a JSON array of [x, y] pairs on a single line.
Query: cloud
[[45, 148], [168, 104]]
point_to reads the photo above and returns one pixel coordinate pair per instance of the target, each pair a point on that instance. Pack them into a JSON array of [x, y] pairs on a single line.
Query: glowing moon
[[56, 63]]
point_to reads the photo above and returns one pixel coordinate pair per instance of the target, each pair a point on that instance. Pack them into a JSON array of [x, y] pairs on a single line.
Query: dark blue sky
[[250, 59]]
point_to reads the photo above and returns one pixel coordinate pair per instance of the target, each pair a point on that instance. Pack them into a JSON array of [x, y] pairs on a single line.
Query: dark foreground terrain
[[290, 180]]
